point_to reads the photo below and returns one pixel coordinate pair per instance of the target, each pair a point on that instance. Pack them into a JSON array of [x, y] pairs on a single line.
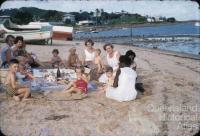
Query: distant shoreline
[[108, 27]]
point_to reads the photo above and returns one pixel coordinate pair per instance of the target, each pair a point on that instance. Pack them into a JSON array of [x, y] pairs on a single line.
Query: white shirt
[[89, 56], [103, 78], [126, 86], [114, 61]]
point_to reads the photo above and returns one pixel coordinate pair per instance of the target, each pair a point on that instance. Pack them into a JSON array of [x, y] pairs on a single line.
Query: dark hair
[[81, 68], [124, 61], [108, 44], [19, 38], [13, 61], [130, 53], [55, 51], [90, 41], [109, 69], [8, 37]]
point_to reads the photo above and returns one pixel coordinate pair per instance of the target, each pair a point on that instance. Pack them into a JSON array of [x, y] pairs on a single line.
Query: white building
[[69, 17], [159, 19], [150, 19], [86, 22]]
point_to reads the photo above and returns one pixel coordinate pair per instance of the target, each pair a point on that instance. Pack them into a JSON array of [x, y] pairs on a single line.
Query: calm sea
[[186, 45]]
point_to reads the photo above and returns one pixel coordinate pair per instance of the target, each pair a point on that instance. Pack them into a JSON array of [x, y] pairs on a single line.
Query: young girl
[[80, 85], [18, 48], [12, 88], [73, 59], [56, 60]]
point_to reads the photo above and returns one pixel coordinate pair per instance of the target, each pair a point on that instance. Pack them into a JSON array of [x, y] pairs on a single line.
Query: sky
[[180, 9]]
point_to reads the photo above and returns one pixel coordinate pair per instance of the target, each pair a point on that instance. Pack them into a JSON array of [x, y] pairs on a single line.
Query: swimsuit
[[82, 85], [10, 91]]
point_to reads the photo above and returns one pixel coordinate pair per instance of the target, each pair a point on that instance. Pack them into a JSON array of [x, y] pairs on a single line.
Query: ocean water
[[189, 45]]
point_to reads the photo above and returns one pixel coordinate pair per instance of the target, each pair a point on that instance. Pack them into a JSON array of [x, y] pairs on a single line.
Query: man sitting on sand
[[12, 89]]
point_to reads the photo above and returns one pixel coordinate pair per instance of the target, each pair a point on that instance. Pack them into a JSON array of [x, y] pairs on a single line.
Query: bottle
[[58, 73]]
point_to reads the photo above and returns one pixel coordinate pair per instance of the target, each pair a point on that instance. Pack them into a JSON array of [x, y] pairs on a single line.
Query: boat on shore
[[63, 33], [59, 32], [35, 30], [29, 32]]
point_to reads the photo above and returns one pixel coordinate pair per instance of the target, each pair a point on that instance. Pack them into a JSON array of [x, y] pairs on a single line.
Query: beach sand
[[173, 108]]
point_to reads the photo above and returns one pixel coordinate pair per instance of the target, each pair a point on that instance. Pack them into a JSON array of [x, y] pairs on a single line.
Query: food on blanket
[[50, 78]]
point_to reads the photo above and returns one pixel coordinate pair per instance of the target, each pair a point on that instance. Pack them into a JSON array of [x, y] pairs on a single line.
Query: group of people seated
[[116, 77]]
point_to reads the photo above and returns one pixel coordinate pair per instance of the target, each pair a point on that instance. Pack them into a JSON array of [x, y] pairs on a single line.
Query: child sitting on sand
[[80, 85], [98, 60], [73, 59], [97, 66], [12, 88], [56, 60], [107, 79], [23, 73]]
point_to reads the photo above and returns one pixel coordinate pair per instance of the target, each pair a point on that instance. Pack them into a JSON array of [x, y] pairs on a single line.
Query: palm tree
[[97, 14]]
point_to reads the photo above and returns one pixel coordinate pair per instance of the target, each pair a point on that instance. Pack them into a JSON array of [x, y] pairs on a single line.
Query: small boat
[[63, 33], [29, 32], [197, 24], [78, 32], [59, 32], [93, 30], [55, 32]]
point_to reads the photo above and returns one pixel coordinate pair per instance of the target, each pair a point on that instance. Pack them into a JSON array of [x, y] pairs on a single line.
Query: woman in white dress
[[124, 85], [89, 52], [112, 56]]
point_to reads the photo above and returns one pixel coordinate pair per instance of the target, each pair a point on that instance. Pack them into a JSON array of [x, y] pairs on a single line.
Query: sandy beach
[[172, 109]]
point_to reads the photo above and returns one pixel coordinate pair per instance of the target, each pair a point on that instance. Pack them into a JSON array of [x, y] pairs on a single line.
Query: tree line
[[25, 15]]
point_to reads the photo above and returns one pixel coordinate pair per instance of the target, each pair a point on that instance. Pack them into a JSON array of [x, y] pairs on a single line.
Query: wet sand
[[173, 108]]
